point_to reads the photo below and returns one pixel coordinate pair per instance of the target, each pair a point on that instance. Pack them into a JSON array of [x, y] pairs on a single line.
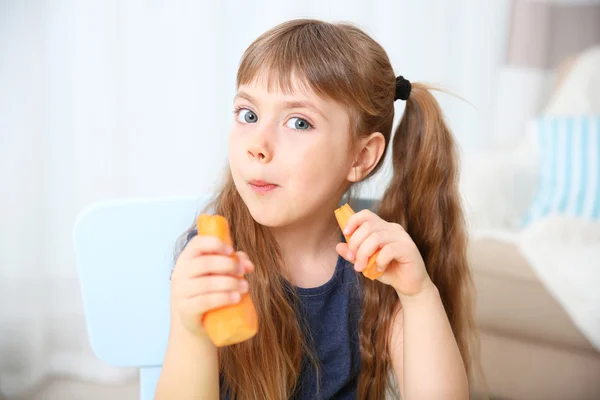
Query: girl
[[313, 117]]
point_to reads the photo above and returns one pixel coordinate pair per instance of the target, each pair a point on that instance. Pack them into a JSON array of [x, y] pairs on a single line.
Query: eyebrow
[[287, 104]]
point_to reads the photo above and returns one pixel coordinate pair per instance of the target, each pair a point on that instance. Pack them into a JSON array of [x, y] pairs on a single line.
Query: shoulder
[[185, 238], [190, 234], [182, 243]]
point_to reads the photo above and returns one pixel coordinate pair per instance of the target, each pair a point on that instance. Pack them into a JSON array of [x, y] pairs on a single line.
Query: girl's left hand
[[399, 256]]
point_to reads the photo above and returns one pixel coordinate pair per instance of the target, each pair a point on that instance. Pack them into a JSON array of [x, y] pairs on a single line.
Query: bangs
[[304, 56]]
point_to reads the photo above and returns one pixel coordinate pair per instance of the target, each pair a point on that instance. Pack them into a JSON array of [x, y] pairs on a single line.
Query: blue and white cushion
[[569, 175]]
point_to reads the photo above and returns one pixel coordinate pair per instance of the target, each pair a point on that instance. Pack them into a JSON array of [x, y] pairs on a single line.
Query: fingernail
[[235, 297], [350, 255], [380, 268], [346, 230], [244, 286], [229, 250], [240, 269]]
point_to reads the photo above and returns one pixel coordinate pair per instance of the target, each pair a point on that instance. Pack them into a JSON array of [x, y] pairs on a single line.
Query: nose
[[260, 149]]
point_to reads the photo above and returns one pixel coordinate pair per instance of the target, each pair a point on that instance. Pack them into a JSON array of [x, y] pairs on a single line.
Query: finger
[[245, 261], [366, 249], [248, 266], [358, 236], [199, 245], [213, 284], [357, 220], [342, 250], [387, 254], [369, 223], [203, 303], [212, 264], [242, 255], [371, 244]]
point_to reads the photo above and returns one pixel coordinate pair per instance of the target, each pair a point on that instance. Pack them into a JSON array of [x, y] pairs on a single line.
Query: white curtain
[[543, 40], [112, 99]]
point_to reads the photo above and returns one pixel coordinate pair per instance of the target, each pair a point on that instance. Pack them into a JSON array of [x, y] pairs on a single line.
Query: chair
[[124, 252]]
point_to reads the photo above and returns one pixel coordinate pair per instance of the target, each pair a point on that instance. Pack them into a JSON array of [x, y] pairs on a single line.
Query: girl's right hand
[[205, 277]]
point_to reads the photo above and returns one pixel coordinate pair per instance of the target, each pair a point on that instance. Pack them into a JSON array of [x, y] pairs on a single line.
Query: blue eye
[[298, 124], [246, 116]]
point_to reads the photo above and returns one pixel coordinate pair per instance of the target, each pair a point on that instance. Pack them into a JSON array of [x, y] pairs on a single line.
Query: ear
[[368, 152]]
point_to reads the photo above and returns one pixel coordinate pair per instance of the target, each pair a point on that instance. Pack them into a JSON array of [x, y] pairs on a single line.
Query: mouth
[[261, 186]]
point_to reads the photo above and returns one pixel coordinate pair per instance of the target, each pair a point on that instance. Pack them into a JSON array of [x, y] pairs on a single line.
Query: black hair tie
[[403, 87]]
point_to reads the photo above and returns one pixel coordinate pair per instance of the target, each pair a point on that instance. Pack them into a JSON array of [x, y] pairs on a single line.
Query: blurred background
[[119, 99]]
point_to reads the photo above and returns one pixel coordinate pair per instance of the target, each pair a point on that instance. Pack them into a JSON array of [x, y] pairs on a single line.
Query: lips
[[256, 182], [262, 187]]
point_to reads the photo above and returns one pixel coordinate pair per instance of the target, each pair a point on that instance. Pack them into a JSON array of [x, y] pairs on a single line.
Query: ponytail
[[423, 197]]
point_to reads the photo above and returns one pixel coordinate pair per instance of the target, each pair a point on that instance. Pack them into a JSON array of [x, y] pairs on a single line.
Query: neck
[[308, 248]]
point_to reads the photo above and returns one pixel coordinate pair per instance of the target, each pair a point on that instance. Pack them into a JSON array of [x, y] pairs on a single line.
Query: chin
[[270, 218], [266, 211]]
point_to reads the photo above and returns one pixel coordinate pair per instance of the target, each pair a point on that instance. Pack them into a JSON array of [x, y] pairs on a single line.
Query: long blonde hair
[[341, 62]]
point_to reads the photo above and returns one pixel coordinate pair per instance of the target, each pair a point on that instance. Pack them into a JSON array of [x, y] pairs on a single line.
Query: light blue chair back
[[124, 252]]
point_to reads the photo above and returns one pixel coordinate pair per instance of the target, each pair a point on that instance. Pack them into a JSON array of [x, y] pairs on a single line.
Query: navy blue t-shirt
[[332, 312]]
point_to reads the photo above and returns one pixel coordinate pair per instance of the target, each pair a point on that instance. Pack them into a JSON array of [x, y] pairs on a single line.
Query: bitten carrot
[[342, 215], [233, 323]]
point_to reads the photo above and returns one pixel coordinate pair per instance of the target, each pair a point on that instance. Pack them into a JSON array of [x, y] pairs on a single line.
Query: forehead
[[295, 94]]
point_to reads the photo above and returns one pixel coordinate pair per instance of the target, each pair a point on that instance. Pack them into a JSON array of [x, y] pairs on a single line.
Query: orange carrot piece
[[342, 215], [233, 323]]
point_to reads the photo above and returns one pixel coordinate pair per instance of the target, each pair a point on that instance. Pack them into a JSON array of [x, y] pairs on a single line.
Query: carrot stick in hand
[[342, 215], [233, 323]]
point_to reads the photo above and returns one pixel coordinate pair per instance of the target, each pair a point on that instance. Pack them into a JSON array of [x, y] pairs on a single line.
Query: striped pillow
[[569, 175]]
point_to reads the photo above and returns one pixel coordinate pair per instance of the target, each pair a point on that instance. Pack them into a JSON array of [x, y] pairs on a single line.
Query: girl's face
[[289, 154]]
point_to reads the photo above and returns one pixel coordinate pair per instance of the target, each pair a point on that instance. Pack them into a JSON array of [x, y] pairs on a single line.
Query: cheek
[[317, 166], [234, 152]]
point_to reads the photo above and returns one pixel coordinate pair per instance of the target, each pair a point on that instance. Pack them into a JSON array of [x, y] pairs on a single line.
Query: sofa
[[530, 348]]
